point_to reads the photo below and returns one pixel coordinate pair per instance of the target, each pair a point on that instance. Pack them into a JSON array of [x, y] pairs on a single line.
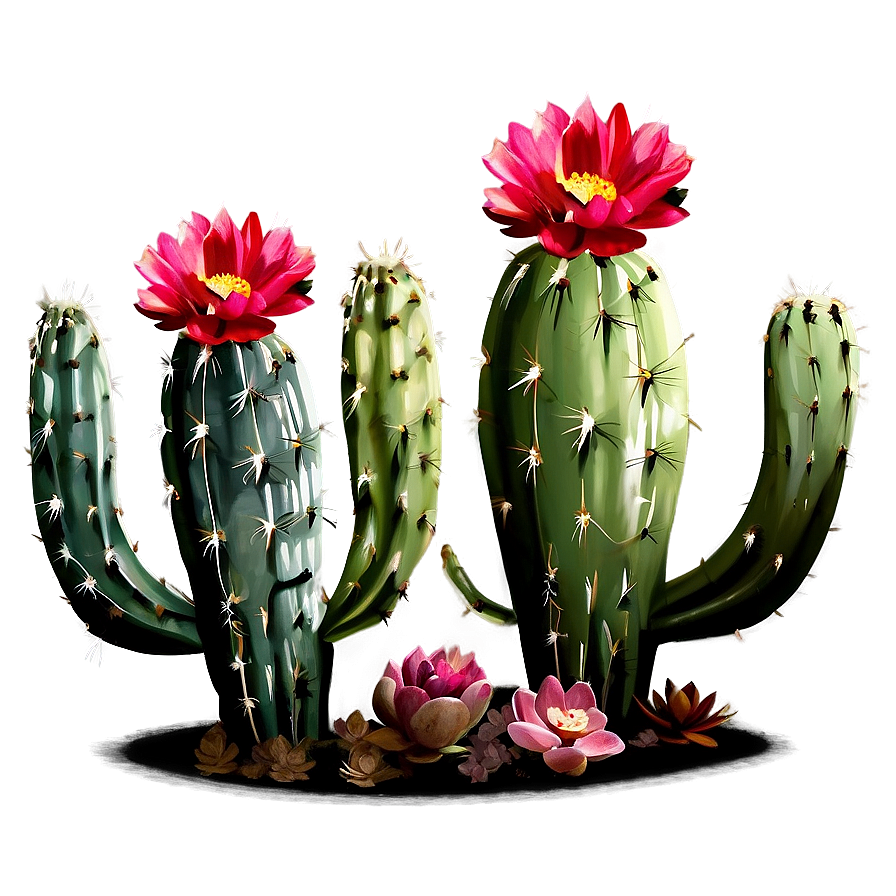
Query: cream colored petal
[[440, 722]]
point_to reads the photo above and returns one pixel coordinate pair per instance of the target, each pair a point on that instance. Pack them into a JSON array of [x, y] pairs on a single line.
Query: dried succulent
[[366, 766], [214, 755], [683, 717]]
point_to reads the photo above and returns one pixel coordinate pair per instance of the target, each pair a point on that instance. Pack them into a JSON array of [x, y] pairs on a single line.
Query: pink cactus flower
[[222, 283], [433, 700], [567, 727], [585, 184]]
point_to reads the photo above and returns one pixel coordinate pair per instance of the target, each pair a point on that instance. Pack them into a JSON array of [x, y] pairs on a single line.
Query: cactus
[[392, 412], [73, 462], [241, 453], [583, 432], [242, 462]]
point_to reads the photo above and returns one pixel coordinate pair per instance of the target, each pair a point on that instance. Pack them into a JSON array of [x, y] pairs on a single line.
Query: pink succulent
[[222, 283], [567, 727], [432, 700], [585, 184]]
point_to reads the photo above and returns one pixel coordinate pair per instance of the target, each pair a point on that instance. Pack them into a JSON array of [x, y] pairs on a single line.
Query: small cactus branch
[[73, 462], [475, 600], [809, 383], [392, 411]]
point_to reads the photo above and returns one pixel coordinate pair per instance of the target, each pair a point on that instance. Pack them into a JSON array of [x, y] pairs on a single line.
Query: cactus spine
[[583, 407], [392, 412]]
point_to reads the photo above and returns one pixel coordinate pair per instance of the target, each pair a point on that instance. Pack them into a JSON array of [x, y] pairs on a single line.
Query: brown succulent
[[279, 759], [214, 755], [366, 766], [683, 717]]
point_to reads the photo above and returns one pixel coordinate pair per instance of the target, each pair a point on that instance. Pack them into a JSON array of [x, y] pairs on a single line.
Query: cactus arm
[[811, 367], [76, 494], [475, 600], [392, 412], [764, 587]]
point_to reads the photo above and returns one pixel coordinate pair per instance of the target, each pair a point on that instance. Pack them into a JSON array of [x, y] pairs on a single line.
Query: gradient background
[[367, 122]]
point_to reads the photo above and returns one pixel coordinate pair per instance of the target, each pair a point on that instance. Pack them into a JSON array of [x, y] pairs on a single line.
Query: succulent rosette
[[432, 700], [565, 726], [220, 282], [581, 184], [683, 716]]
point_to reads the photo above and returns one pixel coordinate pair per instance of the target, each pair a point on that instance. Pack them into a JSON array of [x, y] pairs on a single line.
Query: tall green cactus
[[584, 426], [393, 422], [241, 453]]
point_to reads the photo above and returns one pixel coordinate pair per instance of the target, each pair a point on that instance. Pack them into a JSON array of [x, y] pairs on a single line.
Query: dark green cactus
[[73, 463], [584, 425], [241, 453], [393, 422]]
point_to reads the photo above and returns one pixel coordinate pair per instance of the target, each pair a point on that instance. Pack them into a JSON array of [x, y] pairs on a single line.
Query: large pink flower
[[223, 283], [432, 700], [567, 727], [585, 184]]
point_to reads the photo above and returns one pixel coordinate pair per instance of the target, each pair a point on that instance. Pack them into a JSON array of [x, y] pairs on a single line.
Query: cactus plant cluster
[[584, 428], [242, 461]]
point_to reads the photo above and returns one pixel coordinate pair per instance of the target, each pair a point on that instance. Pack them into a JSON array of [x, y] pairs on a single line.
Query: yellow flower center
[[572, 721], [224, 284], [586, 186]]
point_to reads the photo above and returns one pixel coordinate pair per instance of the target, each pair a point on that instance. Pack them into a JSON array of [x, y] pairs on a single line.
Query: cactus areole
[[584, 416]]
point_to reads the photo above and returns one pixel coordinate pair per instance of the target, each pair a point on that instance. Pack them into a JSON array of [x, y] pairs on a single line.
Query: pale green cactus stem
[[584, 426], [393, 422], [811, 388], [73, 466], [241, 452]]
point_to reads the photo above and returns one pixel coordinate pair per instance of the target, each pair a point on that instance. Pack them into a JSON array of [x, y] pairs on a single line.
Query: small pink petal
[[392, 671], [532, 737], [410, 665], [597, 721], [564, 759], [581, 696], [550, 695], [408, 701], [477, 698], [600, 744], [523, 702]]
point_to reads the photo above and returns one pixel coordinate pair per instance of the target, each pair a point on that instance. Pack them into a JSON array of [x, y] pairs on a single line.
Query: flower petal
[[600, 744], [438, 723], [532, 737], [408, 701], [384, 702], [581, 696], [565, 759], [550, 694], [477, 698], [523, 703], [411, 664]]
